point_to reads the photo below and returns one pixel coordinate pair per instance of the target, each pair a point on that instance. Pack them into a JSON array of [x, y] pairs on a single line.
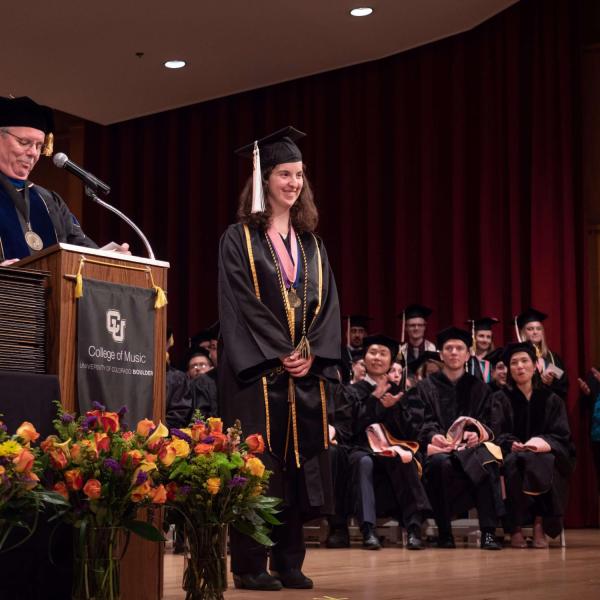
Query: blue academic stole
[[12, 238]]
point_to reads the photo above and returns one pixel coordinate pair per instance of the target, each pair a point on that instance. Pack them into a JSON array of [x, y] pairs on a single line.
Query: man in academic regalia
[[383, 485], [31, 217], [459, 474], [414, 328], [356, 330], [483, 343]]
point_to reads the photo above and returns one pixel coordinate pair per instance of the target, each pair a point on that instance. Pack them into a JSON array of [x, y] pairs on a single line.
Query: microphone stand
[[90, 193]]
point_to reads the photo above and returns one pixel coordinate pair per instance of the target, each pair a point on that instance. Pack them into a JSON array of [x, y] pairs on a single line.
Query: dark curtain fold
[[448, 174]]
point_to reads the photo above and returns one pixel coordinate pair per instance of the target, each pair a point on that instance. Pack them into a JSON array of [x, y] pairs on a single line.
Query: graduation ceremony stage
[[469, 573]]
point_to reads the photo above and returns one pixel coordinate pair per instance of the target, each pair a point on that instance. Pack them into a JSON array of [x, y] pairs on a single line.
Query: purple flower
[[112, 464], [122, 412], [89, 421], [142, 477], [3, 427], [181, 435], [237, 481], [98, 406], [67, 418], [184, 490], [208, 440]]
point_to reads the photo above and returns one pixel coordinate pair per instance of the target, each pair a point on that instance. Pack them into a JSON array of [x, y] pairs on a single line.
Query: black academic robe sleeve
[[560, 386]]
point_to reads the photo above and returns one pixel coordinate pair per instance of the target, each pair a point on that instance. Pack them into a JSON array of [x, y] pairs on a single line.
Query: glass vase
[[205, 574]]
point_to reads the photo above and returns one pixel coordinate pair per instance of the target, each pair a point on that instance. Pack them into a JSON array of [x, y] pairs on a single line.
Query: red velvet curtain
[[447, 175]]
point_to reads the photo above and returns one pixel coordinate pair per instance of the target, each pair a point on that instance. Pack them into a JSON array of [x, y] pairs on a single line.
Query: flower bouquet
[[215, 481], [21, 496], [106, 473]]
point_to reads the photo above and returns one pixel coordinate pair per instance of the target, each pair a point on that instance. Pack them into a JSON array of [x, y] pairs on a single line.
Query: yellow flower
[[213, 485], [182, 448], [215, 424], [255, 466], [27, 432], [145, 466], [10, 448], [2, 470], [160, 432]]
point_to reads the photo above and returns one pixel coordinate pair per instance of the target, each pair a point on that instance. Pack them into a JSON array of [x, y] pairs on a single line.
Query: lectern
[[141, 569]]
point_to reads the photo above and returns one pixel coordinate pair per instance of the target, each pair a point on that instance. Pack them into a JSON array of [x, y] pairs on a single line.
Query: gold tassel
[[161, 297], [48, 148], [78, 285], [303, 348], [292, 401]]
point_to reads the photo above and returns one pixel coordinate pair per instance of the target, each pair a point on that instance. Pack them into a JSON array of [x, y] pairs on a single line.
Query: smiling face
[[415, 330], [499, 373], [534, 332], [378, 360], [483, 341], [284, 186], [521, 368], [20, 149]]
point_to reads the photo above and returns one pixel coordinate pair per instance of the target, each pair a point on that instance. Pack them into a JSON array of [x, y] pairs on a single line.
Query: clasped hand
[[297, 366]]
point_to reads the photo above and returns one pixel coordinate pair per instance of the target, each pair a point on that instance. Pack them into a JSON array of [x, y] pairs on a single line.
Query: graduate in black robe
[[279, 346], [384, 485], [458, 479], [353, 350], [539, 455], [483, 343]]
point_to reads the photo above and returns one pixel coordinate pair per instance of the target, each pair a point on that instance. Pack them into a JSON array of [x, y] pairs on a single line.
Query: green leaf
[[145, 530]]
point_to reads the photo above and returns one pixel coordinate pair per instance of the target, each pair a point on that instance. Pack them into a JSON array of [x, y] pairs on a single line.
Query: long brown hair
[[303, 215]]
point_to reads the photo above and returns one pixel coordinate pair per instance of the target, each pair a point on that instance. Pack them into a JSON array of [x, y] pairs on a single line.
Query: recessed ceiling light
[[175, 64], [361, 12]]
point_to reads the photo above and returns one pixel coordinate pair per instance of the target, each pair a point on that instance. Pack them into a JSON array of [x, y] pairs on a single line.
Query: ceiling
[[80, 57]]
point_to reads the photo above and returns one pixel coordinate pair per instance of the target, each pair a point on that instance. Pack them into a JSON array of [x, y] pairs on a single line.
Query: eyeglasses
[[199, 367], [24, 143]]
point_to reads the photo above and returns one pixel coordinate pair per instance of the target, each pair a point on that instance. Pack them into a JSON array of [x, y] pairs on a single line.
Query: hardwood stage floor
[[468, 573]]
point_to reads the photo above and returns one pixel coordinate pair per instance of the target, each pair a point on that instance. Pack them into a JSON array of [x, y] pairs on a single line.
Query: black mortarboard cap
[[453, 333], [518, 347], [195, 351], [495, 356], [484, 324], [424, 357], [382, 340], [24, 112], [359, 320], [415, 310], [530, 315], [205, 335], [277, 148]]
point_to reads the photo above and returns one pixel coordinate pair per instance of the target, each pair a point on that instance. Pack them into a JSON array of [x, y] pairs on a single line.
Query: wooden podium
[[142, 567]]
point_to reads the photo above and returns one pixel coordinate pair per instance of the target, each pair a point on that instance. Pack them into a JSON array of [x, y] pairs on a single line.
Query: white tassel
[[517, 330], [258, 196]]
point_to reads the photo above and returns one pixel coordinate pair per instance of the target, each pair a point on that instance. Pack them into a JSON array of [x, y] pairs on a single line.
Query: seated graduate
[[385, 472], [539, 455], [358, 370], [590, 397], [483, 343], [352, 350], [461, 468], [530, 328], [499, 370], [414, 329], [427, 364]]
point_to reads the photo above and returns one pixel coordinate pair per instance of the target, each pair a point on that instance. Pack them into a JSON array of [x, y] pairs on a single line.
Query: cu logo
[[115, 325]]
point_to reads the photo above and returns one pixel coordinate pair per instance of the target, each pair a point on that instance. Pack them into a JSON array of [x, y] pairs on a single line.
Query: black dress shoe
[[414, 541], [488, 542], [370, 540], [338, 538], [446, 540], [294, 578], [257, 581]]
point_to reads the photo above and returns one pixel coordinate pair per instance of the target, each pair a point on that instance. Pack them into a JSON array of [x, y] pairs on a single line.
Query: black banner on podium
[[115, 348]]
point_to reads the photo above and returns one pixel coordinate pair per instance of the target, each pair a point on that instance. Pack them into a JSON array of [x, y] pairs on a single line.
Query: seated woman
[[539, 456]]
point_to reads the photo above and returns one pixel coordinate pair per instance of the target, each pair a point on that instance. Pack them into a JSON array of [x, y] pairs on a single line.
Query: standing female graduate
[[539, 456], [280, 342]]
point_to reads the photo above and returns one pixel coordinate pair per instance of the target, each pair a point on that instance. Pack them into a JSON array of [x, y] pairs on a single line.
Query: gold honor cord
[[324, 413], [161, 297], [257, 293]]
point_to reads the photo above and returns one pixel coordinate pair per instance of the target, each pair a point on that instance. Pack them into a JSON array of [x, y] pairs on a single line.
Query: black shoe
[[294, 578], [370, 540], [414, 541], [338, 538], [488, 541], [446, 540], [258, 581]]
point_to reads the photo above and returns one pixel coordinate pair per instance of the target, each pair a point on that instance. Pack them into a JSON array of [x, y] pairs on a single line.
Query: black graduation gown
[[536, 483], [398, 488], [474, 479], [254, 334], [50, 217], [558, 386]]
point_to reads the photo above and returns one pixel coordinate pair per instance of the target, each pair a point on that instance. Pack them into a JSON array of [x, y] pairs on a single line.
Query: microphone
[[62, 161]]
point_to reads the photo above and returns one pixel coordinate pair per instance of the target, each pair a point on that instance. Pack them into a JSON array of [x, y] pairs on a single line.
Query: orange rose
[[23, 461], [159, 494], [74, 479], [167, 455], [61, 488], [255, 443], [76, 453], [213, 485], [102, 442], [203, 448], [27, 432], [135, 456], [108, 420], [144, 427], [48, 443], [92, 489], [215, 425], [198, 431], [220, 440], [149, 457], [140, 492], [59, 458]]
